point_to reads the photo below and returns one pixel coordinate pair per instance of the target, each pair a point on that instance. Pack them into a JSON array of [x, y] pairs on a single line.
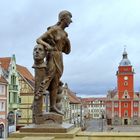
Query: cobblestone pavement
[[99, 125], [126, 128], [96, 125]]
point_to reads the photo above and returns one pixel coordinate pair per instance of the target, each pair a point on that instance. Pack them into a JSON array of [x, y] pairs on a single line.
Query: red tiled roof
[[88, 99], [5, 61], [25, 72], [112, 93], [73, 98], [3, 80], [101, 98], [138, 94]]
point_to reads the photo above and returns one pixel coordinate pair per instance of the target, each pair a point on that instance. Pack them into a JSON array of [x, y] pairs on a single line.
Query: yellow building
[[26, 81]]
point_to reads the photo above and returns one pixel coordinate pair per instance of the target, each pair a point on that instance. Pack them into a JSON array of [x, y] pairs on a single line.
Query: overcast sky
[[99, 31]]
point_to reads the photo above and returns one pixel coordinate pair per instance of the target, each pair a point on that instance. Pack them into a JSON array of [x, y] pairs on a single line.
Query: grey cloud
[[99, 31]]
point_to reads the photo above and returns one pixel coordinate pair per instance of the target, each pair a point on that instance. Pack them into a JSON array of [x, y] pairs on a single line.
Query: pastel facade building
[[95, 107], [20, 91], [10, 73], [99, 108], [71, 106], [87, 104], [26, 82], [3, 105]]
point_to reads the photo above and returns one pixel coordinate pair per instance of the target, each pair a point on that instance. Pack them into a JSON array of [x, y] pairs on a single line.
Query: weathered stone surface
[[76, 135], [38, 138], [49, 118], [47, 128], [52, 118], [70, 134], [48, 65]]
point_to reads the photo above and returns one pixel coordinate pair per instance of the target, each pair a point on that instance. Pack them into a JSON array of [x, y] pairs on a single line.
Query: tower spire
[[124, 53], [125, 61]]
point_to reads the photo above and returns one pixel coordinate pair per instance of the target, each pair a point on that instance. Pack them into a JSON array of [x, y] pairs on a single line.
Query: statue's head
[[39, 53], [65, 16]]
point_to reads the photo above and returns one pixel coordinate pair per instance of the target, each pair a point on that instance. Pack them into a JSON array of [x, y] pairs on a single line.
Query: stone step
[[75, 138], [32, 138], [71, 134], [37, 138]]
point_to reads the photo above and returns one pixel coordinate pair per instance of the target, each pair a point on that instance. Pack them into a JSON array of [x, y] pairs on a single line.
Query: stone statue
[[48, 64]]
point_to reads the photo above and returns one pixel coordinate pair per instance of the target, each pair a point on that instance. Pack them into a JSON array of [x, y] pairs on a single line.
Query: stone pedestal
[[50, 126], [70, 134], [47, 128], [49, 117]]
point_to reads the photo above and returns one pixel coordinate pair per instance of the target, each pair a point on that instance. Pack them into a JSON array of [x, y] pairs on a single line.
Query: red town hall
[[123, 104]]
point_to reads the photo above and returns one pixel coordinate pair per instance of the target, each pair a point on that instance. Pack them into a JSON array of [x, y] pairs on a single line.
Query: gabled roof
[[112, 93], [136, 95], [25, 72], [5, 61], [3, 80], [73, 98]]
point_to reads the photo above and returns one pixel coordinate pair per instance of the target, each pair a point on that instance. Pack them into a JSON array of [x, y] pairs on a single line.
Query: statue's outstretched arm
[[42, 40]]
